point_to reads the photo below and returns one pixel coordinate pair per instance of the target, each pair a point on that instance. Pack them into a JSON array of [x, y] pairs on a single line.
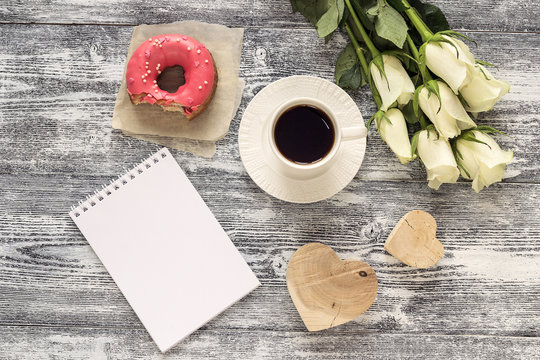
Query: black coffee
[[304, 134]]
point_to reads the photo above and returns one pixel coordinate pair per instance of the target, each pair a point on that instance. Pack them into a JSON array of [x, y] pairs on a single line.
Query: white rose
[[437, 156], [482, 163], [457, 66], [483, 90], [394, 132], [397, 86], [450, 117], [443, 60]]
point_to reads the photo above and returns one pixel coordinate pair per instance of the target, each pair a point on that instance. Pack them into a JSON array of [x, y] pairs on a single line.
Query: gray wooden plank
[[56, 145], [499, 15], [57, 95], [20, 343], [488, 282]]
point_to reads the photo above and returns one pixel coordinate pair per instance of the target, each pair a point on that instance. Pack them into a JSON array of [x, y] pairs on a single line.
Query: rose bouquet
[[422, 75]]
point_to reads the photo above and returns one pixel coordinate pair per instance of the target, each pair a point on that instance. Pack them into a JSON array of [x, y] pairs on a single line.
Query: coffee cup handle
[[353, 133]]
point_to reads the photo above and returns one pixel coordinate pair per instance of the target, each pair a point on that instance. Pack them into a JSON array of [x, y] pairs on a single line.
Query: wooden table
[[61, 64]]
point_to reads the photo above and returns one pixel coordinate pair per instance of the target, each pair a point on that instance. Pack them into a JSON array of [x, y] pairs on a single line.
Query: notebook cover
[[164, 248]]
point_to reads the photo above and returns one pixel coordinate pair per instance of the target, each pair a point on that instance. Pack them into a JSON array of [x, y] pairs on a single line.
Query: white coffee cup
[[299, 171]]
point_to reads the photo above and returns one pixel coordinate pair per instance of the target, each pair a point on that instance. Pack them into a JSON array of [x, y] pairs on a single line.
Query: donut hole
[[171, 78]]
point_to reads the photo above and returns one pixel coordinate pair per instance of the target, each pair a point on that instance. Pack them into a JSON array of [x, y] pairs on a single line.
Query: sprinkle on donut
[[152, 57]]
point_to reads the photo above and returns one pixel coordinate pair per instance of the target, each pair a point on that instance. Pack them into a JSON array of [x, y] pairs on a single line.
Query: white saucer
[[252, 140]]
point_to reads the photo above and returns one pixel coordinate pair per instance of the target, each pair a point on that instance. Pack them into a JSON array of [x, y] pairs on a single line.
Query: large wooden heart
[[413, 240], [326, 291]]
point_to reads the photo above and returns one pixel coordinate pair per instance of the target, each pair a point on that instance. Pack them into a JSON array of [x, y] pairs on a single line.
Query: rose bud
[[482, 162], [449, 117], [396, 86], [436, 154]]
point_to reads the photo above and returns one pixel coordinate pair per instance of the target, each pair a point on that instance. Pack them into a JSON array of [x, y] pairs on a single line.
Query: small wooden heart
[[326, 291], [413, 240]]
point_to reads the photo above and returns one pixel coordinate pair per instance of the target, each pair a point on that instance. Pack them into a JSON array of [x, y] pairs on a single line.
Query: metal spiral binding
[[115, 185]]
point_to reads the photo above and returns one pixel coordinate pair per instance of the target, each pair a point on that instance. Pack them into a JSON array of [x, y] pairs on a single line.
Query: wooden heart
[[413, 241], [326, 291]]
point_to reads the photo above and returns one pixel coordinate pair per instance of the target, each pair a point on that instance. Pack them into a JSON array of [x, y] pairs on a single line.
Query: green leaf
[[398, 5], [311, 9], [378, 117], [386, 118], [408, 113], [370, 121], [456, 35], [382, 44], [343, 17], [469, 136], [391, 26], [410, 66], [400, 54], [348, 72], [422, 67], [361, 7], [325, 15], [379, 63], [341, 9], [329, 21], [352, 79], [374, 10], [488, 130], [366, 4], [294, 6], [432, 16], [485, 63], [433, 88], [458, 156]]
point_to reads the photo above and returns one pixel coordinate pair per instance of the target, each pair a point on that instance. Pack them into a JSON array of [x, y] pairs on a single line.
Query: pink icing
[[160, 52]]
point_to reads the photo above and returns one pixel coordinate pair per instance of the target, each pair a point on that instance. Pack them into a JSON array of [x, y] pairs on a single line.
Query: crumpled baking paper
[[172, 129]]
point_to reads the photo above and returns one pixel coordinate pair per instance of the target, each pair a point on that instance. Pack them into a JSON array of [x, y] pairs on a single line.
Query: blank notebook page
[[165, 250]]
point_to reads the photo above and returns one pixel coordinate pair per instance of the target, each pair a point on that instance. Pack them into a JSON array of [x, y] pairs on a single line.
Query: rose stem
[[414, 51], [360, 54], [417, 21], [371, 47]]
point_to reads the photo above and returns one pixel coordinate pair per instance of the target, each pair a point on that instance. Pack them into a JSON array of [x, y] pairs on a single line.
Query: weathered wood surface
[[38, 343], [57, 89], [496, 15]]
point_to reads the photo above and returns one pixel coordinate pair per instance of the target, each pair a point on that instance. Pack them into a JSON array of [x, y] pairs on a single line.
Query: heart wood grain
[[413, 240], [327, 291]]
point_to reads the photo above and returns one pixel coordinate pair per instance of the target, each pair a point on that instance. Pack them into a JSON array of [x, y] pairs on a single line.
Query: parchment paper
[[172, 129]]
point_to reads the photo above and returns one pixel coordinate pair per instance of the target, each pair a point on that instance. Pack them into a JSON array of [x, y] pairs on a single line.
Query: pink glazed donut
[[160, 52]]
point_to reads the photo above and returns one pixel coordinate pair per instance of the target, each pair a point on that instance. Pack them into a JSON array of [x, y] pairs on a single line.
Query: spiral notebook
[[165, 250]]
